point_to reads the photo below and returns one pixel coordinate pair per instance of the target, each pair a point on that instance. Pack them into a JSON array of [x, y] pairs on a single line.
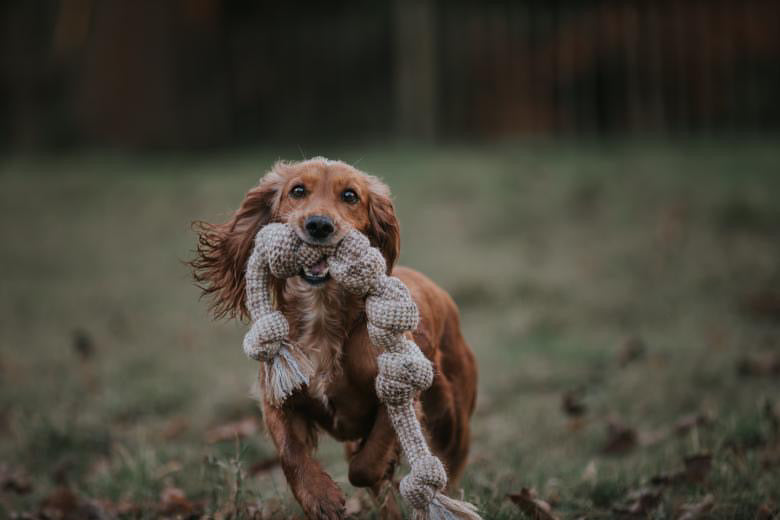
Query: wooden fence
[[190, 73]]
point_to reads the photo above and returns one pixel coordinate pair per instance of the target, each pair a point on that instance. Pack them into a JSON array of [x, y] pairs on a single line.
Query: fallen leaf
[[620, 438], [175, 428], [697, 467], [759, 365], [228, 432], [664, 479], [532, 506], [14, 481], [697, 509], [576, 424], [83, 345], [262, 466], [173, 501], [572, 403], [62, 503], [632, 349], [640, 503], [763, 305], [695, 471], [770, 458], [767, 511], [121, 508]]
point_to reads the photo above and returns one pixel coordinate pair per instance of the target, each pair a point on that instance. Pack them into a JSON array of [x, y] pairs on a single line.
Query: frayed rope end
[[288, 371], [443, 507]]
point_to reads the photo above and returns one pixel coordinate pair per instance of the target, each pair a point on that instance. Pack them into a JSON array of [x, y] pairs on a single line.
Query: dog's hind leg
[[372, 463]]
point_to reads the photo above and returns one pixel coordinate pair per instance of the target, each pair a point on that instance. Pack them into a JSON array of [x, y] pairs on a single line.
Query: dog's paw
[[321, 498]]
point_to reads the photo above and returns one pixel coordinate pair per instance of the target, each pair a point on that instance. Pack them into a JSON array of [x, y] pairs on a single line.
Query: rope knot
[[411, 369], [391, 307], [265, 337], [285, 252], [426, 478], [355, 264]]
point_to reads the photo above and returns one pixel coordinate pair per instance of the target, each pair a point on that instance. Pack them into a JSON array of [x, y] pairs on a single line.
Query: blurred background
[[596, 184], [209, 73]]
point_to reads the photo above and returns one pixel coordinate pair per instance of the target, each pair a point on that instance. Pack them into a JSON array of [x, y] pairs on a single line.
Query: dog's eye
[[349, 196], [298, 192]]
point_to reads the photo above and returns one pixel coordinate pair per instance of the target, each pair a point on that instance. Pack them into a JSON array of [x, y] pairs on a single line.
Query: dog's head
[[320, 199]]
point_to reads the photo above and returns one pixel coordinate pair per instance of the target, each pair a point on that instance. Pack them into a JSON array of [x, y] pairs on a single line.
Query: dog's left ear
[[384, 231]]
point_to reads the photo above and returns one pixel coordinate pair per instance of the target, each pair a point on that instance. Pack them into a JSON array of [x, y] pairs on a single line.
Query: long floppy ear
[[384, 230], [223, 249]]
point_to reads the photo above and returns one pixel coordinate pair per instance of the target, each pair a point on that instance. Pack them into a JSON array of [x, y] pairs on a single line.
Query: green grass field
[[641, 280]]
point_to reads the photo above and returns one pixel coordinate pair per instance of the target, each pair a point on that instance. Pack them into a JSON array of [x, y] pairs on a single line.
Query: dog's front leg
[[295, 440]]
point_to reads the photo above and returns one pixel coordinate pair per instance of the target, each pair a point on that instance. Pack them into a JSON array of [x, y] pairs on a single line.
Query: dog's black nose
[[319, 227]]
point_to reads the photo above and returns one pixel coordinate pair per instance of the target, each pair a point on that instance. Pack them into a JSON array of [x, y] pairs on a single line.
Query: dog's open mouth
[[316, 274]]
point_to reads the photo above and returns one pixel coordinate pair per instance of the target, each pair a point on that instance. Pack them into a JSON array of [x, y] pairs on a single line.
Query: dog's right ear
[[223, 249]]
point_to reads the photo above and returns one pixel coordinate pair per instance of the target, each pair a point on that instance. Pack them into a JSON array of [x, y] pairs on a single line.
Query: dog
[[322, 200]]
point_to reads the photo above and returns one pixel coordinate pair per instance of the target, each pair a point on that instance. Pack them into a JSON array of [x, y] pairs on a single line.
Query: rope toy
[[404, 371]]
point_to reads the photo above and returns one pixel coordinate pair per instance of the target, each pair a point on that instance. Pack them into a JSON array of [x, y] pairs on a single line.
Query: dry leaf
[[767, 364], [572, 403], [175, 428], [173, 501], [534, 507], [123, 508], [697, 467], [14, 481], [62, 503], [698, 509], [83, 345], [763, 305], [767, 511], [126, 507], [620, 438], [640, 503], [228, 432]]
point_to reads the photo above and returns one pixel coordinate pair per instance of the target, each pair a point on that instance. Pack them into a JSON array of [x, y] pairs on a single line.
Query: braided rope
[[280, 253], [404, 371]]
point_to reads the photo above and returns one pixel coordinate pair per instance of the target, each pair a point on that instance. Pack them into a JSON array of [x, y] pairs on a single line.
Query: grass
[[111, 371]]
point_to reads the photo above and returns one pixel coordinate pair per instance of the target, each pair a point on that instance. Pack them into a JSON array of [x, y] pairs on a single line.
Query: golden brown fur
[[329, 324]]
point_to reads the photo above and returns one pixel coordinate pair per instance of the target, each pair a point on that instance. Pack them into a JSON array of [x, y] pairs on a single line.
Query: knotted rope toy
[[404, 371]]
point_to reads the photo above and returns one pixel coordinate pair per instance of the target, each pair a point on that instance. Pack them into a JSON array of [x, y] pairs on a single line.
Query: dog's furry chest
[[320, 323]]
